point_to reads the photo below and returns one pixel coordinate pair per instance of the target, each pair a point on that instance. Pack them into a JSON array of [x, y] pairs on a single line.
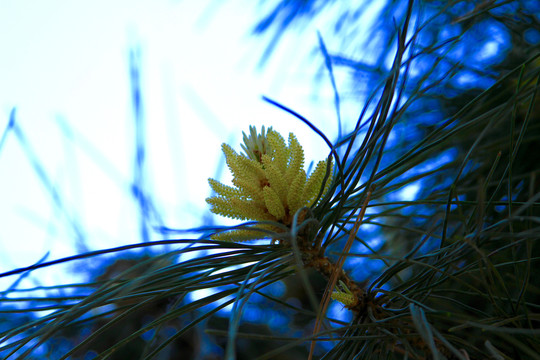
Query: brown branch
[[337, 273]]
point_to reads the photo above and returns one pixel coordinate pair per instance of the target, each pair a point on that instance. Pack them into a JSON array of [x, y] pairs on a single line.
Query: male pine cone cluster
[[270, 184]]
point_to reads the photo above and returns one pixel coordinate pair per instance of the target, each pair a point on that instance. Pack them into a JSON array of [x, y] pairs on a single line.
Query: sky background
[[65, 68]]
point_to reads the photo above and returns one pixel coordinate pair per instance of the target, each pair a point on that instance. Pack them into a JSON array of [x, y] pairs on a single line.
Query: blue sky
[[66, 66]]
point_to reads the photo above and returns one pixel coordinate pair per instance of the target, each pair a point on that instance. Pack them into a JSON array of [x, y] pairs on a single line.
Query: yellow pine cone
[[269, 183], [344, 298]]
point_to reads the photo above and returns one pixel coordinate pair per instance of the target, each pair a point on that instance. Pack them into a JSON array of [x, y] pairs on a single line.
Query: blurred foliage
[[452, 112]]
